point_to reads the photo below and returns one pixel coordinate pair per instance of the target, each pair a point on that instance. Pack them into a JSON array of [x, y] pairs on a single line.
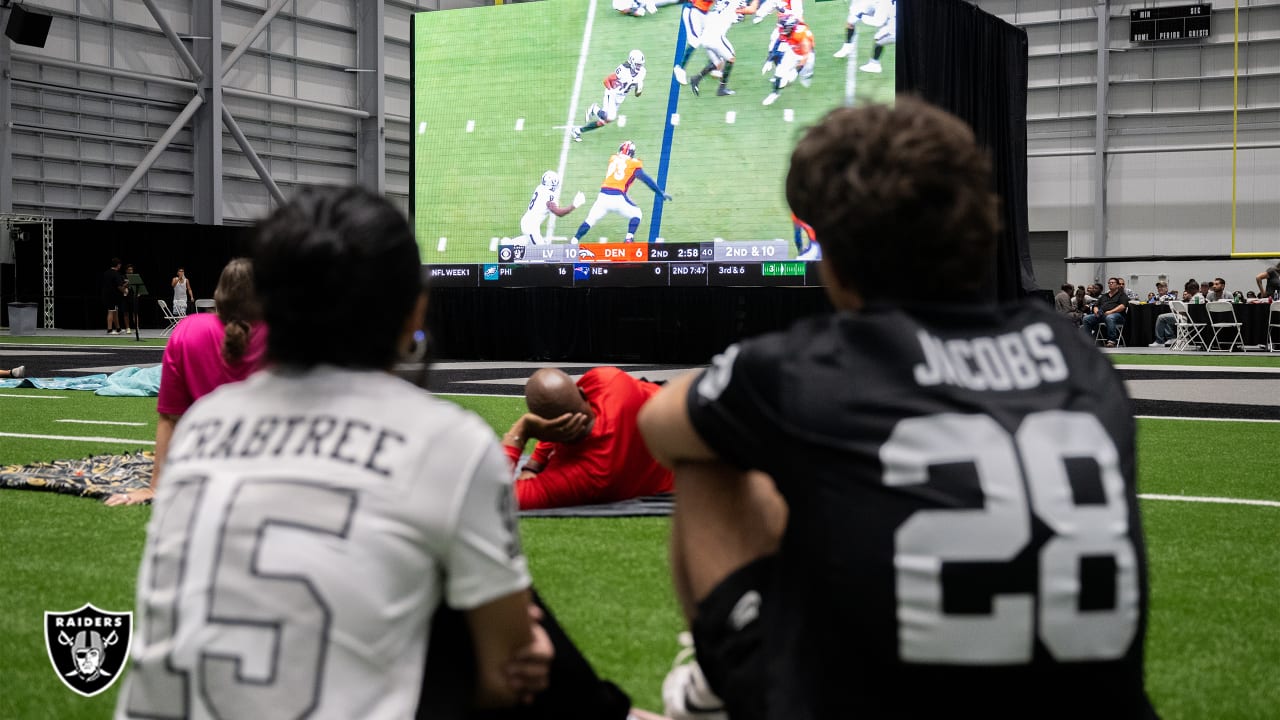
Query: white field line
[[78, 438], [33, 397], [1203, 368], [1216, 500], [851, 71], [102, 422], [573, 102], [1204, 419]]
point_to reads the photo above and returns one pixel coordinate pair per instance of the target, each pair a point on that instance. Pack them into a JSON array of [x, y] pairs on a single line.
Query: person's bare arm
[[504, 636], [665, 425], [724, 518], [165, 424], [558, 210], [1261, 279]]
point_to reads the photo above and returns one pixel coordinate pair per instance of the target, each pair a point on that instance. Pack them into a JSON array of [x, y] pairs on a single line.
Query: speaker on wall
[[27, 27]]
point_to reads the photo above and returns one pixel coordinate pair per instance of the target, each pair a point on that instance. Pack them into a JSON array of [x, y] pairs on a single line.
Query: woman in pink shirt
[[205, 351]]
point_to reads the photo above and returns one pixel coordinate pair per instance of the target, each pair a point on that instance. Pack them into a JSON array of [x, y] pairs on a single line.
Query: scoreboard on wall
[[1183, 22], [634, 264]]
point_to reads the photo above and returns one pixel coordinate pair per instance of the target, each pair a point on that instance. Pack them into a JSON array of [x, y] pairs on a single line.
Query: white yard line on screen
[[851, 72], [573, 101], [33, 397]]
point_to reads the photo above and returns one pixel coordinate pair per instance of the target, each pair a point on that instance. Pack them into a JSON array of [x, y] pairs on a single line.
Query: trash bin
[[22, 318]]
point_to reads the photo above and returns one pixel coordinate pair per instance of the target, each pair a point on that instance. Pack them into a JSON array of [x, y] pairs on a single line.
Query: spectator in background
[[1128, 292], [1162, 294], [589, 449], [1205, 287], [113, 288], [1237, 297], [1109, 312], [182, 292], [1251, 295], [1092, 294], [1269, 283], [1065, 302], [206, 350], [129, 306], [1217, 290], [1191, 292], [1080, 302], [20, 371]]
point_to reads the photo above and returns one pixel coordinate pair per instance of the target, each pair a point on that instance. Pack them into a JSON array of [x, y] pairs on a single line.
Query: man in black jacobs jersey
[[922, 505]]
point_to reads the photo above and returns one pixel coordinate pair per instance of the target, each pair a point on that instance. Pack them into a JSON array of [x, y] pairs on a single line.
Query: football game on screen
[[568, 123]]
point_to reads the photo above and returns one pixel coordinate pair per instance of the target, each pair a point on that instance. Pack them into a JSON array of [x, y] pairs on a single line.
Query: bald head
[[551, 393]]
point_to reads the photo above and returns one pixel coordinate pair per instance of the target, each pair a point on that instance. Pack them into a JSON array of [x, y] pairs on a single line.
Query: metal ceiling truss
[[208, 115]]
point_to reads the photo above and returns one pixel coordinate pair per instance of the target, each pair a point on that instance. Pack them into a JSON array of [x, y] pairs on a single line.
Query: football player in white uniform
[[627, 77], [881, 14], [544, 201], [715, 40], [795, 7], [314, 517], [887, 13]]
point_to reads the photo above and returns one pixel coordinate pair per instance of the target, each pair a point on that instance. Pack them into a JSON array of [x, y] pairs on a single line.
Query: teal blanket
[[129, 382], [132, 382]]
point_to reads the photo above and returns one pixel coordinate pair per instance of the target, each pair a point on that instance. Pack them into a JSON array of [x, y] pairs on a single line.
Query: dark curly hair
[[336, 257], [901, 199]]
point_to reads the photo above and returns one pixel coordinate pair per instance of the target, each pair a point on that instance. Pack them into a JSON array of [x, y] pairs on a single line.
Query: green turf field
[[728, 155], [1213, 645]]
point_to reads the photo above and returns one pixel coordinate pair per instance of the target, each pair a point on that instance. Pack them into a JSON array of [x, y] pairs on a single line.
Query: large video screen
[[599, 142]]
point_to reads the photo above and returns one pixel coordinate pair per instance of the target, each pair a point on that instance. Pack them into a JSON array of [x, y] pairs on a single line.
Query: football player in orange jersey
[[626, 77], [791, 56], [624, 168]]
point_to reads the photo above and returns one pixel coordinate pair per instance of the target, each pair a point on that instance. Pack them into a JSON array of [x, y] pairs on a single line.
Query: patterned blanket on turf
[[96, 476], [103, 475]]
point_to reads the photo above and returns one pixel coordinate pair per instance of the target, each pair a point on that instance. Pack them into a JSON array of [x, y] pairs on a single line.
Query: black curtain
[[975, 66], [659, 325], [82, 251]]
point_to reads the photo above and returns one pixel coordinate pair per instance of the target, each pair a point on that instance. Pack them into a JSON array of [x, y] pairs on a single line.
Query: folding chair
[[168, 316], [1222, 317], [1188, 331], [1100, 332], [206, 305], [1273, 327]]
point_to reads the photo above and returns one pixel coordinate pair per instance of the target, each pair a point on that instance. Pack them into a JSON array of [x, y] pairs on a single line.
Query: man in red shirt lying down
[[589, 449]]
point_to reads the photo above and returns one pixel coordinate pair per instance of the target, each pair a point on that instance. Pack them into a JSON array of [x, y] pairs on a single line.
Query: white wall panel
[[1175, 98], [326, 45]]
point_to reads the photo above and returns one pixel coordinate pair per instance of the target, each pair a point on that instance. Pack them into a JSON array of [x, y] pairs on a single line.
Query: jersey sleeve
[[484, 561], [732, 408]]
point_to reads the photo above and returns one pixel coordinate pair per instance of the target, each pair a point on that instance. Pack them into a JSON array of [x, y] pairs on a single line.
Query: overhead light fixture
[[358, 70]]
